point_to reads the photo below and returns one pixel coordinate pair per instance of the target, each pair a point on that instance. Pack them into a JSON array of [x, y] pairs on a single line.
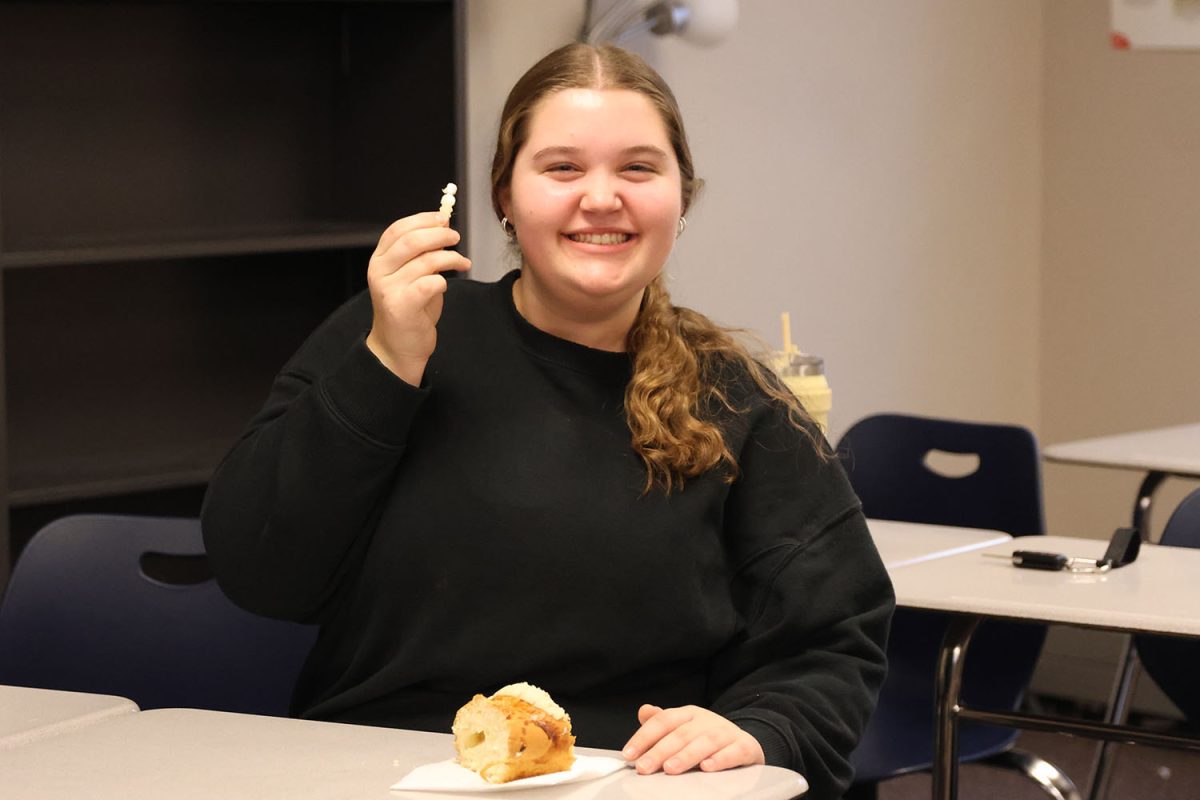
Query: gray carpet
[[1139, 773]]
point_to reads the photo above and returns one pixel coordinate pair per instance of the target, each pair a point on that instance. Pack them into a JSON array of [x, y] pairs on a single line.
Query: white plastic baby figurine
[[448, 199]]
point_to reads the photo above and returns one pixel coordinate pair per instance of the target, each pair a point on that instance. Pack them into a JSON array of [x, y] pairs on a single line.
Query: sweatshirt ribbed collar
[[571, 355]]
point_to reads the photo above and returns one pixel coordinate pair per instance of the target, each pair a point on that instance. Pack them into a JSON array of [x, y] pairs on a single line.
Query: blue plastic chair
[[125, 606], [885, 457], [1172, 662]]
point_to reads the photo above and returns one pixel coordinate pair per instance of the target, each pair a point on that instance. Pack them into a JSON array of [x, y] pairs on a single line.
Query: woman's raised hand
[[678, 739], [406, 291]]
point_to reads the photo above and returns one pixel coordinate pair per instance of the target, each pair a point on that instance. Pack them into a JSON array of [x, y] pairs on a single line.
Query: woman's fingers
[[697, 748], [384, 278], [647, 711], [735, 754], [429, 289], [676, 740], [404, 225], [656, 724], [404, 257]]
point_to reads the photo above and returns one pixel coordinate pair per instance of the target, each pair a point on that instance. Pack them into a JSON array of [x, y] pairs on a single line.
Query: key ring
[[1122, 549], [1053, 562]]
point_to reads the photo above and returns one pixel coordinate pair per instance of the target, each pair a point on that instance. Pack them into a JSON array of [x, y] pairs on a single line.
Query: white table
[[1160, 453], [1174, 450], [902, 544], [27, 715], [186, 754], [1157, 594]]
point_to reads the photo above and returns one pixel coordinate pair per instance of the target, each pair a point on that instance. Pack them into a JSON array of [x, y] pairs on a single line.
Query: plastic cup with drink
[[804, 374]]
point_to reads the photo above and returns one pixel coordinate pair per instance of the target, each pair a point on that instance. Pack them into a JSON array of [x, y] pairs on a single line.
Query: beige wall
[[1121, 259]]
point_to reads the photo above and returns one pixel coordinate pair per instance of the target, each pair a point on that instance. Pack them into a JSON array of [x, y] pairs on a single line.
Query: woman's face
[[595, 201]]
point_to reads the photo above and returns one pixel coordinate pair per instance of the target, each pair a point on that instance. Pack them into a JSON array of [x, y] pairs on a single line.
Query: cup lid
[[804, 364]]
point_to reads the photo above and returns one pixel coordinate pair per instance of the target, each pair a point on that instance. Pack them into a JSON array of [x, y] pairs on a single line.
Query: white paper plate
[[449, 776]]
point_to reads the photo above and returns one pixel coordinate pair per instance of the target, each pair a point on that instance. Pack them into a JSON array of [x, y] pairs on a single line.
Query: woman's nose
[[600, 194]]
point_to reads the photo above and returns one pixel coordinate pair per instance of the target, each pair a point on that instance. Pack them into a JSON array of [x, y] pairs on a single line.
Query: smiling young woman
[[606, 127], [561, 477]]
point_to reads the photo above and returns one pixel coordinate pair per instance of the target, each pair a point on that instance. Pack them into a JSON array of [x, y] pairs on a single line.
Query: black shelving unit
[[186, 190]]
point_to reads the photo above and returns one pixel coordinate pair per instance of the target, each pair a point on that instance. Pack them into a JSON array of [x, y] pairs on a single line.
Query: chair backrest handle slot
[[949, 464], [175, 570]]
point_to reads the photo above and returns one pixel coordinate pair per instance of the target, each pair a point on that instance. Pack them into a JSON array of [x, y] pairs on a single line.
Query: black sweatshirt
[[491, 527]]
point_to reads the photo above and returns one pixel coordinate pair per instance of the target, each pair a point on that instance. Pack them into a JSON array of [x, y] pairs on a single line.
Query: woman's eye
[[562, 168], [643, 168]]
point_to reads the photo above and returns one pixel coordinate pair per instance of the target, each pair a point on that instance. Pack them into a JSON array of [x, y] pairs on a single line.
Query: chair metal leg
[[1118, 712], [1054, 782], [951, 661]]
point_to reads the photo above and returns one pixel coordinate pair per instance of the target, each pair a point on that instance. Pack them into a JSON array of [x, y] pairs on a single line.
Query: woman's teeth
[[599, 238]]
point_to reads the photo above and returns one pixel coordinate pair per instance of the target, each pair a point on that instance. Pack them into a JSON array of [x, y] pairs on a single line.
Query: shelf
[[64, 450], [63, 487], [283, 238], [82, 433], [143, 374]]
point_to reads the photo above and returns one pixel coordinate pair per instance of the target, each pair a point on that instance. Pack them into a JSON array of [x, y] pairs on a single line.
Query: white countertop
[[902, 544], [1175, 450], [186, 754], [27, 715], [1158, 593]]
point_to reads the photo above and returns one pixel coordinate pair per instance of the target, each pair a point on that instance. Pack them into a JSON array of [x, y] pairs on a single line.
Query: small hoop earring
[[682, 227], [510, 232]]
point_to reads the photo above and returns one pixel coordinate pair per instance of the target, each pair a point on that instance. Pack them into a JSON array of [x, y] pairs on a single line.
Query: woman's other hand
[[406, 291], [677, 739]]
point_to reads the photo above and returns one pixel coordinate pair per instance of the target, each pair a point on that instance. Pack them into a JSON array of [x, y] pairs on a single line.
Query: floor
[[1139, 773]]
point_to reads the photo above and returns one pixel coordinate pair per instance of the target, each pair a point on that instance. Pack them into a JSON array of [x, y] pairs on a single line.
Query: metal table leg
[[1127, 672], [951, 661], [1141, 509], [1118, 713]]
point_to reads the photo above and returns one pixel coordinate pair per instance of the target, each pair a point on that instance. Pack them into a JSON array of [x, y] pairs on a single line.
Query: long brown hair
[[679, 355]]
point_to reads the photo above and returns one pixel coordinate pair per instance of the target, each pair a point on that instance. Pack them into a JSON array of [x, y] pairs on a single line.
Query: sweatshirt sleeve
[[290, 508], [816, 604]]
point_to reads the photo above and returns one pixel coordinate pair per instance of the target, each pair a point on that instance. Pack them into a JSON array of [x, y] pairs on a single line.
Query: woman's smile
[[604, 239]]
